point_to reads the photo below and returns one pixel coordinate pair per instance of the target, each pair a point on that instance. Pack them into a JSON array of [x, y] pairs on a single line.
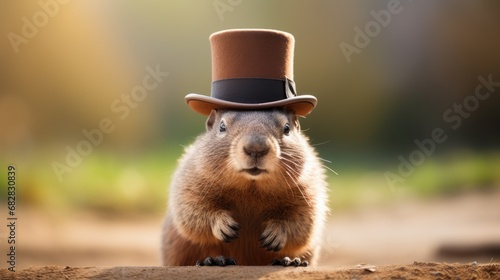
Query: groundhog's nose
[[256, 146]]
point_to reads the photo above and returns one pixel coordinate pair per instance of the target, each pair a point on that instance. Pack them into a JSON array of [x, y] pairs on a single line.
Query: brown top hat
[[252, 69]]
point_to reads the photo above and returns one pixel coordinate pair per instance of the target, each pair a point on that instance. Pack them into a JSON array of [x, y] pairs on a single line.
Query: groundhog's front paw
[[274, 237], [225, 228]]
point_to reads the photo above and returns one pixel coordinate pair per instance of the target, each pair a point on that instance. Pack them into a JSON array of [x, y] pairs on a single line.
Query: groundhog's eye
[[286, 129], [222, 127]]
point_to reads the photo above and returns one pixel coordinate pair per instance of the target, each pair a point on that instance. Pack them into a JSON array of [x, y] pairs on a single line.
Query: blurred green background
[[86, 54], [61, 72]]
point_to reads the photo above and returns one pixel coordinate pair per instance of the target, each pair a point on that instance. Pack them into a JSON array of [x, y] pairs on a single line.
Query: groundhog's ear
[[211, 120]]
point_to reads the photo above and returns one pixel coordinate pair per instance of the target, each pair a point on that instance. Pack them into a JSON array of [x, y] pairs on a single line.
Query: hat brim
[[302, 105]]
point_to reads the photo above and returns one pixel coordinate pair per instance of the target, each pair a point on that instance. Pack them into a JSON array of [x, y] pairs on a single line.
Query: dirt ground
[[436, 239], [413, 271]]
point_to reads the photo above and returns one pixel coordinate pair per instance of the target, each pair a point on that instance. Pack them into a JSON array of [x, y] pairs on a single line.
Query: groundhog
[[250, 190]]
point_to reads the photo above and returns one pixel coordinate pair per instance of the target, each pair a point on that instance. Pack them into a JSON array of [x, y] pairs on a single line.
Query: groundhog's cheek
[[271, 163], [238, 157]]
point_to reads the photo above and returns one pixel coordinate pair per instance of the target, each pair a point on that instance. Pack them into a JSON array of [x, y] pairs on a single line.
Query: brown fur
[[210, 195]]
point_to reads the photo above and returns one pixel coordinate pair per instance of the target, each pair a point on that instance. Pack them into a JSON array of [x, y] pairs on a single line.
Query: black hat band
[[253, 90]]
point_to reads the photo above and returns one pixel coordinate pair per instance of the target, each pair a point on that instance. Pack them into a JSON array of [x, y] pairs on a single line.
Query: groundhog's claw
[[269, 243], [273, 238], [217, 261], [226, 229], [231, 233], [286, 261]]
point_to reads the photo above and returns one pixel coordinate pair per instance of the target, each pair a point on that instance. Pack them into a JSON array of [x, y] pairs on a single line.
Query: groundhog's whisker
[[287, 158], [286, 181], [291, 173], [290, 157], [292, 162], [288, 151], [325, 160], [319, 144], [330, 169], [288, 168]]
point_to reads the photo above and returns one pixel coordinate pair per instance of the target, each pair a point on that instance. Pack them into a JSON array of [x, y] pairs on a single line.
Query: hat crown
[[252, 53]]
